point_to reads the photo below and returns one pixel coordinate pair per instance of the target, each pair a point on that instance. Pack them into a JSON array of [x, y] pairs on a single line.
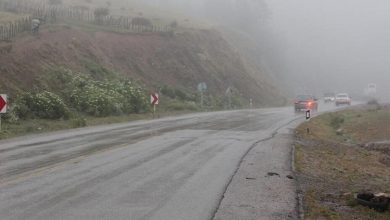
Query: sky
[[332, 45]]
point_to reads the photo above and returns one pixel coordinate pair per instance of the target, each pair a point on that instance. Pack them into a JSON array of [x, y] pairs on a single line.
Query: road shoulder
[[264, 186]]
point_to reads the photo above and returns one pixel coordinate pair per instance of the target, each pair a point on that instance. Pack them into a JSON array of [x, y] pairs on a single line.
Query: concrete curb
[[300, 211]]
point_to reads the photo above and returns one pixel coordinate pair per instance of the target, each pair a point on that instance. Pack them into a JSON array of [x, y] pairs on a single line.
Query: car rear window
[[303, 97]]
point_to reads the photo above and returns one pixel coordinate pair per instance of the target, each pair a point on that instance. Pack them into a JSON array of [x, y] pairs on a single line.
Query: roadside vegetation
[[344, 153], [63, 99]]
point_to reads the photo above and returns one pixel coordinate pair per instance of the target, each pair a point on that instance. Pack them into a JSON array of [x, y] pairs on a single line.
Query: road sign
[[3, 103], [308, 114], [154, 99], [202, 87]]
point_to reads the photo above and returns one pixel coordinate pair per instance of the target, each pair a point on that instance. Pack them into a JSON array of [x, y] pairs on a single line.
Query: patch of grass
[[351, 201], [79, 122], [99, 72], [37, 126], [336, 121], [315, 210], [33, 126], [298, 158], [175, 105], [358, 125]]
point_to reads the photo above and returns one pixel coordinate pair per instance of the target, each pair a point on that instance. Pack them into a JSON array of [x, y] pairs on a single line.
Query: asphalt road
[[187, 167]]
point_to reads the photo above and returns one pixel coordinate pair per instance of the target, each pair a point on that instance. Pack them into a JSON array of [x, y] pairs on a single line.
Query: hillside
[[180, 60]]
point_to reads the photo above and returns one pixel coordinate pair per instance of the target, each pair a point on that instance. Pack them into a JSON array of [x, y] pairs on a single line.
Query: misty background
[[308, 46], [336, 45]]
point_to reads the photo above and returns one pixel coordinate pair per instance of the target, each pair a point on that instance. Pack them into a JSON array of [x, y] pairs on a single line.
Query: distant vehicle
[[343, 99], [329, 97], [305, 102]]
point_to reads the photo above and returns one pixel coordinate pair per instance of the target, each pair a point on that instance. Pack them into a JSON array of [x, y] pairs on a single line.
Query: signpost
[[154, 101], [202, 87], [308, 116], [3, 106], [229, 92]]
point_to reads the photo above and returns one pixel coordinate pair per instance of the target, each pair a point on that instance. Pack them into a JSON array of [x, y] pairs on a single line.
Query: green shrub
[[100, 13], [45, 105], [134, 99], [181, 94], [168, 91], [4, 134], [177, 93]]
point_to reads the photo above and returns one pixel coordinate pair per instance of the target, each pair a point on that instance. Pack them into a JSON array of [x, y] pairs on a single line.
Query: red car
[[305, 102]]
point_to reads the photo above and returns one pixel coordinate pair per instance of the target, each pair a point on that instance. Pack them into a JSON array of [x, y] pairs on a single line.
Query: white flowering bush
[[133, 97], [103, 98], [81, 93], [94, 101]]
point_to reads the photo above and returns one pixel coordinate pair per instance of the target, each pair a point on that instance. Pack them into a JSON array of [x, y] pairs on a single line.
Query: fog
[[245, 14], [335, 45], [312, 46]]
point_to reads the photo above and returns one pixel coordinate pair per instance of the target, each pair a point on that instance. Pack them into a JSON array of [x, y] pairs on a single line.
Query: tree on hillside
[[100, 13], [141, 21], [243, 14], [81, 8], [174, 24], [55, 2]]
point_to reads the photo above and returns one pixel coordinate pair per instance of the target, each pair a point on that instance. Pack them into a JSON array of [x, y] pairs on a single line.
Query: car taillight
[[309, 103]]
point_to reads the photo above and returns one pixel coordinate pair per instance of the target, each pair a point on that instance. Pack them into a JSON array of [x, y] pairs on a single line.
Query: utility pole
[[201, 99]]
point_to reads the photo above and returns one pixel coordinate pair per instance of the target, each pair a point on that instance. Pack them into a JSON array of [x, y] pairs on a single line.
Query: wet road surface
[[172, 168]]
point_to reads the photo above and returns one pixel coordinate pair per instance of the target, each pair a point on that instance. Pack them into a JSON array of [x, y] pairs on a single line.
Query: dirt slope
[[182, 60]]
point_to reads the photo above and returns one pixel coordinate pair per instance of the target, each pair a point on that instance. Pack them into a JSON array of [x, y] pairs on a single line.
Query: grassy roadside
[[339, 158], [37, 126]]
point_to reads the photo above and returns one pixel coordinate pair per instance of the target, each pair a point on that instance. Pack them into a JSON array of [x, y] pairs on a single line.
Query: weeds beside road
[[36, 126], [340, 157]]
